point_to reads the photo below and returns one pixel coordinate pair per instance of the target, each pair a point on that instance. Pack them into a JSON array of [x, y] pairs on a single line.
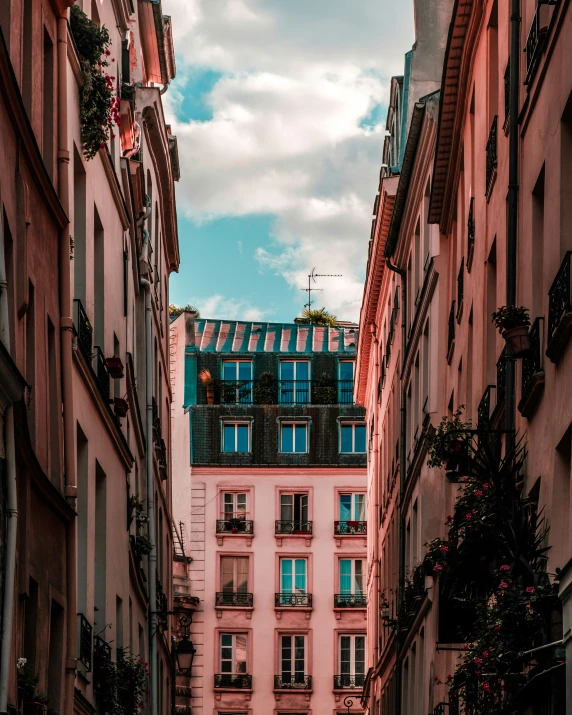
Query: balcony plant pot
[[114, 367], [120, 407], [517, 340]]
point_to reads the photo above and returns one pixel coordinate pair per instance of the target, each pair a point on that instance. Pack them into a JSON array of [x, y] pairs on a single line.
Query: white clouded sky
[[287, 136]]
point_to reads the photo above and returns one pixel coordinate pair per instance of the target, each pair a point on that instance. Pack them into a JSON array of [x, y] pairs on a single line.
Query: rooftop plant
[[320, 316]]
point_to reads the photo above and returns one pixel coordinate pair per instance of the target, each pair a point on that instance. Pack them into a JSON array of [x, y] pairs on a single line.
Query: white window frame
[[235, 514], [353, 425], [353, 637], [292, 637], [353, 506], [233, 648], [294, 590], [238, 379], [235, 573], [236, 424], [352, 560], [294, 424]]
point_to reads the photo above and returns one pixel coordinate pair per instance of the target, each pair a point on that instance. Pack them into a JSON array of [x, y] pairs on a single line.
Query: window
[[346, 383], [294, 382], [233, 653], [234, 505], [294, 438], [236, 437], [234, 574], [352, 661], [293, 576], [294, 508], [351, 577], [352, 507], [293, 659], [237, 381], [352, 438]]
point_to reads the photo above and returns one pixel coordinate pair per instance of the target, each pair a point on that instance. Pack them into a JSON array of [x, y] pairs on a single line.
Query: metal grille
[[83, 330], [460, 285], [484, 409], [293, 599], [234, 599], [101, 657], [559, 302], [471, 227], [350, 600], [234, 526], [532, 361], [101, 372], [347, 681], [85, 639], [162, 608], [491, 155], [237, 681], [350, 528], [293, 682], [451, 330], [501, 377], [293, 527]]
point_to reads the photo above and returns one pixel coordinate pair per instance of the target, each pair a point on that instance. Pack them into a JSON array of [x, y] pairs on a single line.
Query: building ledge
[[352, 609], [531, 395], [247, 610], [306, 610]]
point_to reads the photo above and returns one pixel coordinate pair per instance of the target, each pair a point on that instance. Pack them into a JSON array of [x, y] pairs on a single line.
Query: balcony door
[[233, 653], [293, 576], [294, 382], [234, 506], [352, 660], [293, 659], [234, 574], [294, 510], [237, 381], [346, 382], [352, 507], [351, 577]]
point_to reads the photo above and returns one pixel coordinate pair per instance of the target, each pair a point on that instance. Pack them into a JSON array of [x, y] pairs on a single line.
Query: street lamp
[[348, 702], [185, 653]]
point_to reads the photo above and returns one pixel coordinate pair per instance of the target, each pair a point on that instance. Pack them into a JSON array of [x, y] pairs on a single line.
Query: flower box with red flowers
[[120, 407], [114, 367]]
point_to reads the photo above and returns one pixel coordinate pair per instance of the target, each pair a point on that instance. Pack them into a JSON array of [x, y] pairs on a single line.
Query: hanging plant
[[99, 102], [132, 684], [513, 324], [449, 442]]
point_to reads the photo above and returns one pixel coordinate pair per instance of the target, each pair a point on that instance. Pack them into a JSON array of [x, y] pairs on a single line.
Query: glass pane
[[301, 432], [286, 507], [345, 655], [228, 505], [359, 655], [346, 371], [240, 653], [345, 576], [358, 583], [241, 505], [244, 370], [227, 574], [359, 507], [346, 438], [360, 438], [287, 370], [242, 438], [286, 656], [229, 437], [300, 576], [345, 507], [229, 371], [242, 574], [304, 508], [286, 567], [287, 438], [302, 371], [299, 662]]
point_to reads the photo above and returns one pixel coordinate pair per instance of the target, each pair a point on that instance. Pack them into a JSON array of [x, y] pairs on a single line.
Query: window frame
[[292, 635], [353, 492], [236, 424], [234, 555], [295, 380], [278, 575], [234, 492], [338, 652], [234, 633], [341, 380], [353, 558], [237, 379], [294, 589], [353, 425], [293, 423]]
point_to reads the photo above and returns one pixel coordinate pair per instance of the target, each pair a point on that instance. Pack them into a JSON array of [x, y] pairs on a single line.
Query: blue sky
[[279, 109]]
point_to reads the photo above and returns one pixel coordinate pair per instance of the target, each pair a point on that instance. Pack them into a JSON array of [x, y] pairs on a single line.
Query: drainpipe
[[146, 285], [11, 504], [512, 218], [402, 459], [66, 338]]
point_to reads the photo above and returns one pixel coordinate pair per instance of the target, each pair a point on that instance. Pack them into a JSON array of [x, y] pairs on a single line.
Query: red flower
[[479, 661], [530, 589], [479, 493], [469, 517], [485, 654], [438, 567], [485, 485], [503, 584], [486, 686], [444, 548], [107, 52], [504, 567]]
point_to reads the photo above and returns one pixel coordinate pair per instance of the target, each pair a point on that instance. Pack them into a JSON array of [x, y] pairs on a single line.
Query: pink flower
[[485, 654], [504, 567], [486, 686], [469, 517], [479, 493], [107, 52], [449, 518], [530, 589], [444, 548], [449, 678], [438, 567], [485, 486], [478, 661], [503, 584]]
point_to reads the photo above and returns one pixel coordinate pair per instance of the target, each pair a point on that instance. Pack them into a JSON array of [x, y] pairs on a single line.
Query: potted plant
[[448, 444], [513, 324], [32, 702], [209, 382], [114, 367], [120, 407], [265, 389], [325, 391]]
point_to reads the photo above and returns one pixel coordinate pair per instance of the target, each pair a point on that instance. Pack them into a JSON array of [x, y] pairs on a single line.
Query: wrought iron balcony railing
[[234, 526], [451, 330], [492, 157], [470, 231], [507, 94], [294, 600], [85, 641], [232, 598], [101, 657], [537, 37], [350, 528], [236, 681], [349, 682], [484, 409], [501, 377], [532, 361], [285, 392], [292, 681], [83, 329], [293, 527], [460, 287], [101, 373], [350, 600], [162, 608], [157, 433], [559, 296]]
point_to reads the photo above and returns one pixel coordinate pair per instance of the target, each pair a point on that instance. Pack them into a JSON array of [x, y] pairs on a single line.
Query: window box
[[114, 367], [233, 681], [293, 682]]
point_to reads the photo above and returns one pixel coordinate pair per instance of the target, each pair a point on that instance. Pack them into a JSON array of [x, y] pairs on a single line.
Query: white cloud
[[285, 138], [220, 306]]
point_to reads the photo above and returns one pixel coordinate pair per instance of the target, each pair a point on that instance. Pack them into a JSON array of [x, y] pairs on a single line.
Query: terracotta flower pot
[[120, 407], [114, 367], [517, 340]]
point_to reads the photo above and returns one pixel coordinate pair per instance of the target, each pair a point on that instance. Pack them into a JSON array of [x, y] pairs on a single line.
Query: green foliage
[[99, 105], [450, 437], [27, 681], [509, 317], [266, 389], [176, 310], [319, 316], [325, 390]]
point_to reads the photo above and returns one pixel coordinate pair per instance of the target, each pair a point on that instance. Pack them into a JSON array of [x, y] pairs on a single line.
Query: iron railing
[[232, 598], [460, 286], [532, 360], [345, 681], [350, 600], [507, 94], [295, 600], [471, 227], [162, 608], [292, 681], [161, 451], [484, 409], [85, 641], [234, 526], [559, 296], [350, 528], [286, 392], [492, 157], [536, 37], [293, 527], [501, 377], [101, 657], [451, 329], [157, 432], [101, 373], [238, 681], [83, 329]]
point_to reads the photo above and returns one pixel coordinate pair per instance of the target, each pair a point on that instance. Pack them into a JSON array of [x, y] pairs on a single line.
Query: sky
[[279, 110]]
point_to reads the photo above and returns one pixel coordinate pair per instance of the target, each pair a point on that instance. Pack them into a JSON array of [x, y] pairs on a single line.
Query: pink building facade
[[275, 525], [428, 347]]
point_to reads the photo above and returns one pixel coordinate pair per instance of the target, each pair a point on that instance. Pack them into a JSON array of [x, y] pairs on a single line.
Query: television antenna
[[312, 279]]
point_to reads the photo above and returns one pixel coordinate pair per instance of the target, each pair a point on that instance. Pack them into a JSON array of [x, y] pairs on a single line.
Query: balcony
[[532, 384], [349, 682], [101, 658], [157, 432], [292, 681], [85, 636], [293, 528], [162, 608], [470, 233], [235, 526], [506, 96], [413, 595], [233, 681], [350, 600], [536, 39], [101, 373], [293, 600], [286, 392], [451, 333], [233, 599], [501, 378], [484, 409], [350, 528], [460, 290], [492, 158], [83, 330], [560, 311]]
